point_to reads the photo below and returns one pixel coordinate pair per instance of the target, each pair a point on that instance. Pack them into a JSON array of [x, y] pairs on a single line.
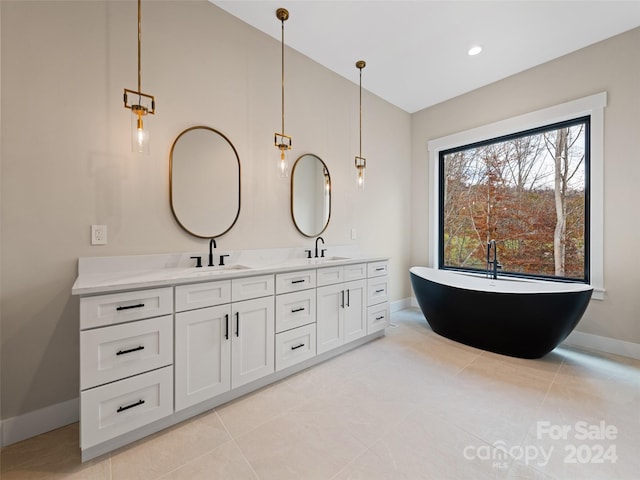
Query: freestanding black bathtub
[[520, 318]]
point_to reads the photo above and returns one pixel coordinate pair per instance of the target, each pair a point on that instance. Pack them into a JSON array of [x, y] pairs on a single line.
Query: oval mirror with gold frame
[[204, 182], [310, 195]]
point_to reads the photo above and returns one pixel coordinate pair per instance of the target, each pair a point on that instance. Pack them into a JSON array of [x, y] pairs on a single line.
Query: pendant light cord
[[360, 112], [139, 50], [282, 56]]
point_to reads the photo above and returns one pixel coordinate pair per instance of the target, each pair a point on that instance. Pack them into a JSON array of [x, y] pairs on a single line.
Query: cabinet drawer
[[378, 317], [120, 407], [200, 295], [377, 269], [295, 346], [295, 281], [251, 287], [355, 272], [111, 353], [295, 309], [114, 308], [329, 276], [377, 290]]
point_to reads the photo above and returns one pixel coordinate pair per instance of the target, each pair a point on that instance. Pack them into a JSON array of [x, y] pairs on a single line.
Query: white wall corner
[[21, 427]]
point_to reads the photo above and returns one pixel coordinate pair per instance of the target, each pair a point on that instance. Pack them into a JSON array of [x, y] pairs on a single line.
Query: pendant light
[[361, 162], [282, 141], [139, 130]]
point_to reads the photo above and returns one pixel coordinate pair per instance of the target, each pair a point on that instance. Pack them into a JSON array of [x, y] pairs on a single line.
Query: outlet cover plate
[[98, 234]]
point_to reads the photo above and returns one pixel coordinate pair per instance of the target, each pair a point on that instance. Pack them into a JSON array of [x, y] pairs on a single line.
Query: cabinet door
[[330, 317], [355, 322], [202, 355], [252, 333]]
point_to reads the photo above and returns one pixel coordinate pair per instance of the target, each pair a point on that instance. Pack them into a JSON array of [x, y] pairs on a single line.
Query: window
[[529, 192], [559, 116]]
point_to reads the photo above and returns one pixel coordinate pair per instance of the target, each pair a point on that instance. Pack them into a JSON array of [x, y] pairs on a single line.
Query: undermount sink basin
[[203, 271], [330, 259]]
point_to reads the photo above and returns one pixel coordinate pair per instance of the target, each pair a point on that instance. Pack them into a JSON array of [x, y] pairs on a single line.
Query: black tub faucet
[[212, 245], [492, 265], [323, 250]]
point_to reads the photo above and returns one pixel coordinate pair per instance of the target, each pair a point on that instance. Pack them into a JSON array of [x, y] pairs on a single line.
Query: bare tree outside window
[[529, 192]]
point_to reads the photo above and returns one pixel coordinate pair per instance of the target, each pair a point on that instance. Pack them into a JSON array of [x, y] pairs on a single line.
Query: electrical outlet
[[98, 234]]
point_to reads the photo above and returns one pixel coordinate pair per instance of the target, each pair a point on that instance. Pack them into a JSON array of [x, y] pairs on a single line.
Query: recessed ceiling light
[[475, 50]]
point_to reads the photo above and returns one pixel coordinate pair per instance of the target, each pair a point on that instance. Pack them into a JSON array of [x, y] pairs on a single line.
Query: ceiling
[[416, 51]]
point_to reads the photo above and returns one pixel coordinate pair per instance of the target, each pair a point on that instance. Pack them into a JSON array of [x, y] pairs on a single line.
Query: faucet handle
[[221, 262], [322, 252], [198, 261], [308, 253]]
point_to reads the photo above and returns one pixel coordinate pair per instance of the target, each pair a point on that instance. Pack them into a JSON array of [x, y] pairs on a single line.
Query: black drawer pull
[[380, 291], [137, 404], [380, 318], [237, 324], [297, 346], [140, 305], [379, 269], [131, 350], [297, 281], [226, 328], [297, 310]]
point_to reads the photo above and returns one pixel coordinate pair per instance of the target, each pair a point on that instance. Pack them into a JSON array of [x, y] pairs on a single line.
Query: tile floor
[[411, 405]]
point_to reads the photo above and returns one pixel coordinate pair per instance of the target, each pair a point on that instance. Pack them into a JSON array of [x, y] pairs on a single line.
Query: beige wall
[[612, 66], [66, 161]]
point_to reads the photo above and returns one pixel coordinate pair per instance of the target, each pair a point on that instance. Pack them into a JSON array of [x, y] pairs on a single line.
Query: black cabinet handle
[[137, 404], [348, 298], [297, 281], [139, 305], [237, 324], [380, 318], [342, 304], [379, 269], [226, 328], [301, 309], [297, 346], [380, 291], [131, 350]]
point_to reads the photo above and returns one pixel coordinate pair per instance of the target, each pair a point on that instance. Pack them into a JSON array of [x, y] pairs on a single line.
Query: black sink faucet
[[323, 250], [492, 265], [212, 245]]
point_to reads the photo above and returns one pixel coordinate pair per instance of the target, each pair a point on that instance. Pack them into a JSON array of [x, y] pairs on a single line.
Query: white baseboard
[[21, 427], [593, 342], [40, 421], [603, 344], [400, 304]]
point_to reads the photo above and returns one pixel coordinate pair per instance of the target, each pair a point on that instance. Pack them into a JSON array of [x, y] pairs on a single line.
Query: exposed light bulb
[[360, 178], [283, 163], [139, 134]]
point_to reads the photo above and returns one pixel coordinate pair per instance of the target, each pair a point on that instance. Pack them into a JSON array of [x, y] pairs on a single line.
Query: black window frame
[[586, 120]]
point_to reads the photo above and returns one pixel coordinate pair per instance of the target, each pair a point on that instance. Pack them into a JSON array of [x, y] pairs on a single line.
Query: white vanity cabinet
[[295, 339], [203, 354], [166, 348], [252, 349], [224, 345], [340, 306], [126, 372], [378, 313]]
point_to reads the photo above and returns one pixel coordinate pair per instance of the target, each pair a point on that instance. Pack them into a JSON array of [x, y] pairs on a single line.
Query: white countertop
[[111, 274]]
